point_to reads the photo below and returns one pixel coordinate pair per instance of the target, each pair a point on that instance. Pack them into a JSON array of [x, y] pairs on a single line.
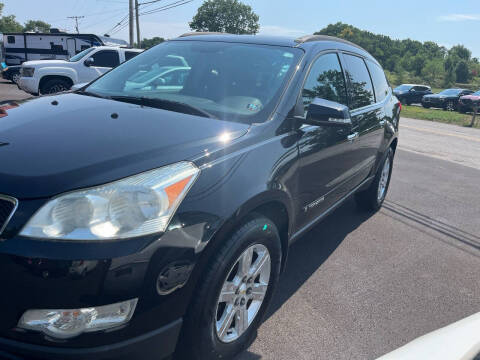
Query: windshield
[[403, 88], [80, 55], [451, 92], [232, 81]]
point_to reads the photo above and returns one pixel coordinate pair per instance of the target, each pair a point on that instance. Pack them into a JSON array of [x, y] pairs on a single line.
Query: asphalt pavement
[[360, 285]]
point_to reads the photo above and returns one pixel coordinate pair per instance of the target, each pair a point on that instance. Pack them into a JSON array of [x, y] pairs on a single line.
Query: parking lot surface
[[360, 285]]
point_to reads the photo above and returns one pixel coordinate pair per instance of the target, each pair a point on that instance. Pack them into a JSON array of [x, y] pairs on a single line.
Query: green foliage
[[37, 26], [462, 72], [229, 16], [10, 24], [411, 61], [449, 117], [148, 43]]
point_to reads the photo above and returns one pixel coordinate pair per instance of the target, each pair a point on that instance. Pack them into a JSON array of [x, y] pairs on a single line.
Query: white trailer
[[20, 47]]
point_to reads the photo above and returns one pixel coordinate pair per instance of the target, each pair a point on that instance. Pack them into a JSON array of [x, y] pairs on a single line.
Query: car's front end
[[468, 102], [27, 81], [434, 100]]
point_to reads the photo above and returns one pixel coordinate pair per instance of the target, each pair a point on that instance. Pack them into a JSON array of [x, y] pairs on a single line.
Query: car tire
[[449, 106], [426, 106], [372, 198], [204, 334], [408, 102], [15, 78], [54, 86]]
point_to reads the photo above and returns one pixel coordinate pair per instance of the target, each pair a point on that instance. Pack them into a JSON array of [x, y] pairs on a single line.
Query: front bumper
[[160, 343], [28, 84], [434, 102]]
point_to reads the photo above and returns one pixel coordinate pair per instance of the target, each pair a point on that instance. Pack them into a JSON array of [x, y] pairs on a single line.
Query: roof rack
[[197, 33], [311, 38]]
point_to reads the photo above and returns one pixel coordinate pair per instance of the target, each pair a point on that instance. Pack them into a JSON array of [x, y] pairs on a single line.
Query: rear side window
[[130, 54], [380, 84], [11, 39], [360, 83], [325, 81], [106, 58]]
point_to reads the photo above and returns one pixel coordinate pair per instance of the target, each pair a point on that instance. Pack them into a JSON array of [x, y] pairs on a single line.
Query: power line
[[167, 7]]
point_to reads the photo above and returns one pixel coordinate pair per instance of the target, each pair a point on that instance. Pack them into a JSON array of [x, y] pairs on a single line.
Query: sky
[[447, 22]]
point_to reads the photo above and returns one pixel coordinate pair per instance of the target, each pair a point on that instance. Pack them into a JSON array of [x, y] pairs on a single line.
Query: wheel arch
[[46, 78]]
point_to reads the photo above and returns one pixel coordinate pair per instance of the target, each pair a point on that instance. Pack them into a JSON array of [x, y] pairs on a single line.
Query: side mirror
[[323, 112], [89, 62]]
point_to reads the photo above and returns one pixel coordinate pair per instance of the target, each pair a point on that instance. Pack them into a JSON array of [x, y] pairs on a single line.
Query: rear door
[[368, 115]]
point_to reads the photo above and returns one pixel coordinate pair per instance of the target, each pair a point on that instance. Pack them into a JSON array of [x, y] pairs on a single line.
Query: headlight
[[137, 205], [27, 71]]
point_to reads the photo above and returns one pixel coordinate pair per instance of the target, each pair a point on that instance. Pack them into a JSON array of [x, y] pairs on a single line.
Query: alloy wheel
[[16, 77], [450, 106], [383, 183], [56, 89], [242, 293]]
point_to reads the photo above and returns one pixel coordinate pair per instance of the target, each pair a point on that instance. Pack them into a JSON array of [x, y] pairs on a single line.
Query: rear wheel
[[234, 293], [373, 198], [54, 86]]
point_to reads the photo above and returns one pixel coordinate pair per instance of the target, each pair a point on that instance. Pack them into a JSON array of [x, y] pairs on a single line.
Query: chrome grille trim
[[15, 206]]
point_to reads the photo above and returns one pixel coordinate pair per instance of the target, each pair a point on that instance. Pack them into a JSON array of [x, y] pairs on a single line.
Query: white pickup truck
[[52, 76]]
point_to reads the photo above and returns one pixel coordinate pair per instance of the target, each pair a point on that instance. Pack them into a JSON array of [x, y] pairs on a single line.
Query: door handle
[[352, 137]]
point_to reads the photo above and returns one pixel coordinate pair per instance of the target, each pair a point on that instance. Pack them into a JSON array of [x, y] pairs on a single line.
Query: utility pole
[[130, 21], [76, 21], [138, 24]]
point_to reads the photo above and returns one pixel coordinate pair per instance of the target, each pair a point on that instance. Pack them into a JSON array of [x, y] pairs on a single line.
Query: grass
[[439, 115]]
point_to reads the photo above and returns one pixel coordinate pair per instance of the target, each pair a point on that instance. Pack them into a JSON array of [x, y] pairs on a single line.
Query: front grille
[[7, 207]]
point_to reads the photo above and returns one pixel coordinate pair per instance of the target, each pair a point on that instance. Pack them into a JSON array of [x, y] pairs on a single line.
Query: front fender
[[58, 71]]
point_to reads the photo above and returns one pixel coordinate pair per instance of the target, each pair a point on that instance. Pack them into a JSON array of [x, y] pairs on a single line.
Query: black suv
[[139, 212], [411, 94], [446, 100]]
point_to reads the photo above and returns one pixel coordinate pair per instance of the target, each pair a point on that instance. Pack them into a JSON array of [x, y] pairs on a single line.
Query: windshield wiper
[[165, 105], [89, 93]]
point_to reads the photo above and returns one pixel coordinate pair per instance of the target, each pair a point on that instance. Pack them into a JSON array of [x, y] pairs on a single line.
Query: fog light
[[64, 324]]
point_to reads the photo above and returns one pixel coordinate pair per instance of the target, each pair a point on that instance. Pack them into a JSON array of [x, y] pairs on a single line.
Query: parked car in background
[[411, 94], [11, 73], [465, 104], [174, 206], [52, 76], [13, 59], [447, 99]]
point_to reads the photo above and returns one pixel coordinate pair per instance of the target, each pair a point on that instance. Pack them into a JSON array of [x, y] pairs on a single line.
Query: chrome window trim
[[15, 206]]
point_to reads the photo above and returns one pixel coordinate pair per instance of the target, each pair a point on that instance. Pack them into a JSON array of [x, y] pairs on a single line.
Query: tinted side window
[[325, 81], [130, 54], [380, 81], [106, 58], [11, 39], [361, 85]]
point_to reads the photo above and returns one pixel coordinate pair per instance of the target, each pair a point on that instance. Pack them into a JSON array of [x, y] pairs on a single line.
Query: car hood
[[43, 63], [50, 145], [438, 96]]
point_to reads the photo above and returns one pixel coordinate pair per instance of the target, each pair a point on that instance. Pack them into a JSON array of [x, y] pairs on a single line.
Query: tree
[[433, 70], [229, 16], [461, 51], [8, 23], [148, 43], [37, 26], [462, 72]]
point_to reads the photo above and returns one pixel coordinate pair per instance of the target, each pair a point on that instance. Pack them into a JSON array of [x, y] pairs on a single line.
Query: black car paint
[[413, 95], [268, 167], [10, 71], [441, 101]]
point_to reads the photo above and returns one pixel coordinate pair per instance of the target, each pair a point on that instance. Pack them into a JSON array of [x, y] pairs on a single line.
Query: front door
[[103, 61], [325, 151]]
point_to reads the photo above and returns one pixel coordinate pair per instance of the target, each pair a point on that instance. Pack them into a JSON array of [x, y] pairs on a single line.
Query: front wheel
[[426, 106], [15, 78], [234, 293], [372, 198], [450, 106], [54, 86]]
